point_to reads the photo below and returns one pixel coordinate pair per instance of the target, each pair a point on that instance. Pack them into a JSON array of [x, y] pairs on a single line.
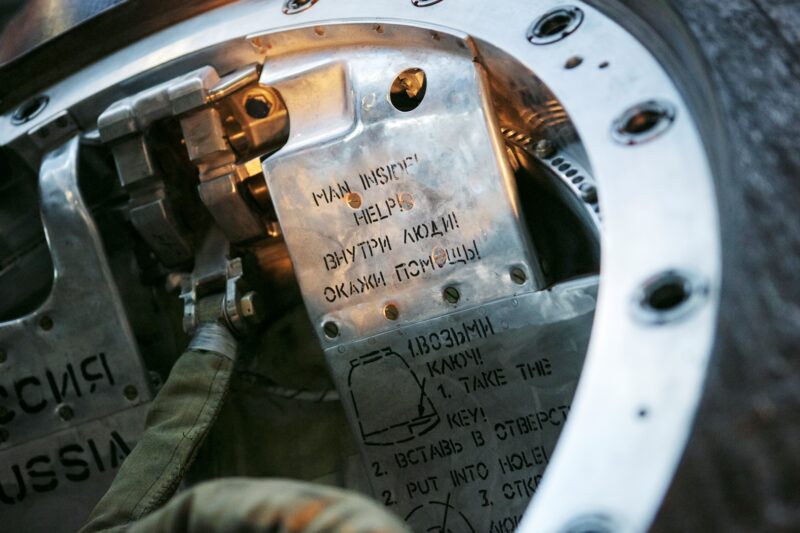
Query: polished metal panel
[[69, 361], [457, 417], [383, 209], [72, 382]]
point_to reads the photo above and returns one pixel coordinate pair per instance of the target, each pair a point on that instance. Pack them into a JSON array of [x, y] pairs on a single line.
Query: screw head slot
[[555, 25]]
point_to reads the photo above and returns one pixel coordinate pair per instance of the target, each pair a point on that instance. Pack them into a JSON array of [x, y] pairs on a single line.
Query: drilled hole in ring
[[643, 122], [669, 295], [555, 25], [292, 7], [29, 109], [408, 89]]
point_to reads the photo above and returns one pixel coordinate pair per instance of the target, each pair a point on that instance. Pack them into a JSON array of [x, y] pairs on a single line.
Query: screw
[[353, 199], [130, 392], [257, 106], [390, 312], [331, 330], [451, 295], [251, 306], [544, 149], [4, 435], [518, 276], [589, 193], [65, 412], [406, 200]]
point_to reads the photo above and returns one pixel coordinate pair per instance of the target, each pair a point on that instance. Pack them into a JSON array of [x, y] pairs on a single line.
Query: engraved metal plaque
[[457, 416], [387, 207]]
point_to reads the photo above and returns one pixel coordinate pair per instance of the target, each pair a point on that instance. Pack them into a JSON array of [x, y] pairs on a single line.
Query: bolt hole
[[425, 3], [643, 412], [390, 312], [408, 89], [557, 161], [29, 110], [670, 295], [555, 25], [330, 329], [643, 122], [573, 62], [604, 64], [46, 323]]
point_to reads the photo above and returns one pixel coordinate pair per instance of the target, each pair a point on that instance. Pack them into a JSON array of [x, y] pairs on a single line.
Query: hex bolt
[[130, 392], [451, 295], [330, 329], [4, 435], [518, 276], [65, 412], [257, 106], [390, 312], [544, 149]]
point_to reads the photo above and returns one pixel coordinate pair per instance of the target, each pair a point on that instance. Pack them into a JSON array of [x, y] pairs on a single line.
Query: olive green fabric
[[268, 506], [177, 423]]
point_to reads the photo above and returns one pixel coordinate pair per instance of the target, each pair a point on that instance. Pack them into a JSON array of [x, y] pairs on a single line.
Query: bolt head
[[544, 149]]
